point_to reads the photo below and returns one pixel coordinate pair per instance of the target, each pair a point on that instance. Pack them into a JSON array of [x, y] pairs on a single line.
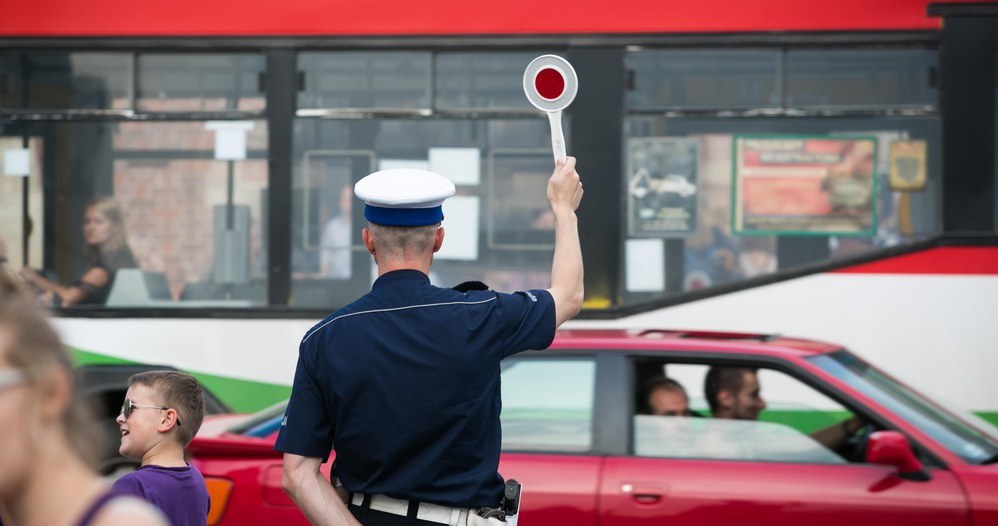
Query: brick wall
[[168, 200]]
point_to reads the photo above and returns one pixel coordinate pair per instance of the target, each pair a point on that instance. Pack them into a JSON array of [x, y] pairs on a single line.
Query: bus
[[773, 167]]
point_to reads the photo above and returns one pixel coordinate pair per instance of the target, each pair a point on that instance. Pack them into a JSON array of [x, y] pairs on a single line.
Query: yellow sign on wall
[[908, 167]]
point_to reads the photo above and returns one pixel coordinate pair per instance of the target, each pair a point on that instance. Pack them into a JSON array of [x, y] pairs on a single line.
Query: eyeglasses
[[128, 406], [12, 378]]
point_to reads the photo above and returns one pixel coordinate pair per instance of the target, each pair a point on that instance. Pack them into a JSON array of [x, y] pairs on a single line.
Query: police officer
[[404, 382]]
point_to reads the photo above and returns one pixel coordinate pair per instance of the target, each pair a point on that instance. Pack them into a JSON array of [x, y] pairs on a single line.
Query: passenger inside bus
[[106, 252], [335, 256]]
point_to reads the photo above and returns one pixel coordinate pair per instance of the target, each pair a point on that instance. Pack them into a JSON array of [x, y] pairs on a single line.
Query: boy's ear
[[169, 421]]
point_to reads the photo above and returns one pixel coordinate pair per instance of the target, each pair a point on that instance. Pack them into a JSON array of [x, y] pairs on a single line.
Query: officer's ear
[[438, 240], [368, 240]]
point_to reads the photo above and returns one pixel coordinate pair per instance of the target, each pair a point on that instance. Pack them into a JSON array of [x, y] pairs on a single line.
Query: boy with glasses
[[161, 414]]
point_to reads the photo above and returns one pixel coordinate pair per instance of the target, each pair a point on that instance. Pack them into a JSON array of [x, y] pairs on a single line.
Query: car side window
[[709, 438], [740, 413], [548, 404]]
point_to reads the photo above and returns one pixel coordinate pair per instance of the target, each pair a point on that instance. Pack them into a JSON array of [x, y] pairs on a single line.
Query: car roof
[[694, 341]]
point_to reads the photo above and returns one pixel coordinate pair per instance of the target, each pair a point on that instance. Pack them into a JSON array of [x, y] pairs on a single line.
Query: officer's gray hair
[[401, 241]]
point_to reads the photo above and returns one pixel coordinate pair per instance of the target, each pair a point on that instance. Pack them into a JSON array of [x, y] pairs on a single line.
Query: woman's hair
[[36, 350], [111, 209]]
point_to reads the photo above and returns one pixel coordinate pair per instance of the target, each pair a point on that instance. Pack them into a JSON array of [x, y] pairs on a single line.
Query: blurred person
[[47, 439], [335, 258], [757, 256], [666, 397], [106, 252], [161, 414]]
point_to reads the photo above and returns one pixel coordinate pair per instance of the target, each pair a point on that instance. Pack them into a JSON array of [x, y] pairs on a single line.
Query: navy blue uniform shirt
[[404, 382]]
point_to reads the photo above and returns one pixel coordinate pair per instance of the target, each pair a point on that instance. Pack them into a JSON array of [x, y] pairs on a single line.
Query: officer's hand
[[564, 186]]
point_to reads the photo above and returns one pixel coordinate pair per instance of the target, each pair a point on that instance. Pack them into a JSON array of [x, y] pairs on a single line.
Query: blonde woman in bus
[[106, 252], [45, 439]]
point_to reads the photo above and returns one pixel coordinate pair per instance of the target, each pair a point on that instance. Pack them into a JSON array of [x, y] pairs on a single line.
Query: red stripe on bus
[[943, 260], [39, 18]]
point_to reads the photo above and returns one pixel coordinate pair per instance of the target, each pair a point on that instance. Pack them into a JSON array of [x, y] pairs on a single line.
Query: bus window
[[20, 178], [192, 223]]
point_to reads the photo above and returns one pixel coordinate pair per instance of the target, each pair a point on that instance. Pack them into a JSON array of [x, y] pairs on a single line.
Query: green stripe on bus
[[88, 358], [242, 396], [990, 416]]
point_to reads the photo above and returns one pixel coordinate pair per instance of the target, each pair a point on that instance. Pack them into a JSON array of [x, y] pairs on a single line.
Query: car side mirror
[[890, 448]]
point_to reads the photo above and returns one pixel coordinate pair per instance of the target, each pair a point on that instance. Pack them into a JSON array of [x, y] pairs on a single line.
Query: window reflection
[[184, 222], [861, 78], [520, 217], [693, 79], [547, 405], [12, 209], [64, 81], [200, 82], [715, 255], [193, 224], [468, 81], [365, 80]]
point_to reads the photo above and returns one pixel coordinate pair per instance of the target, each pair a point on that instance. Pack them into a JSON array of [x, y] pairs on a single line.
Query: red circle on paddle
[[549, 83]]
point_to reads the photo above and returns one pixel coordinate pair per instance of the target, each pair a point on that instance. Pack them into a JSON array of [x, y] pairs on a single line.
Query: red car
[[577, 435]]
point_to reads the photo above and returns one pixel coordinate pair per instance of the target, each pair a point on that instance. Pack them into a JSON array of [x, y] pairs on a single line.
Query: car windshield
[[976, 446]]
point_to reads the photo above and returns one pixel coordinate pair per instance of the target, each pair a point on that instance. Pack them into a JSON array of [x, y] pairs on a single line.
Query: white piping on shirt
[[319, 328]]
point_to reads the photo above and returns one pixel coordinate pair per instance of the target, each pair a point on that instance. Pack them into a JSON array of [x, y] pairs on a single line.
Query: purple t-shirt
[[179, 492]]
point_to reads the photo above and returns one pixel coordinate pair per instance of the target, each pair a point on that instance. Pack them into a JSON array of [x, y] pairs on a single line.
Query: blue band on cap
[[404, 216]]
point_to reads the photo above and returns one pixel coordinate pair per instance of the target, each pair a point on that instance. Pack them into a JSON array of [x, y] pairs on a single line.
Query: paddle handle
[[557, 135]]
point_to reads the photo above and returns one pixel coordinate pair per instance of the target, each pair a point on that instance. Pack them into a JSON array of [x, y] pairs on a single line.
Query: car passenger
[[664, 396], [735, 393]]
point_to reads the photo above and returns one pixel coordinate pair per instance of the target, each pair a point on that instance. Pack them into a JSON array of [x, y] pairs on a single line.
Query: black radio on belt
[[510, 503], [511, 497]]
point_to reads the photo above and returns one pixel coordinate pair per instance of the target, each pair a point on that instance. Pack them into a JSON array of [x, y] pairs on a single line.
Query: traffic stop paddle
[[550, 85]]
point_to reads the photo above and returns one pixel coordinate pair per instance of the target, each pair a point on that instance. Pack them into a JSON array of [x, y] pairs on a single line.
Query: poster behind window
[[662, 186], [801, 185]]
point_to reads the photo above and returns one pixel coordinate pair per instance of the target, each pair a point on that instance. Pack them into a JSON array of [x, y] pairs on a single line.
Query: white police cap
[[404, 196]]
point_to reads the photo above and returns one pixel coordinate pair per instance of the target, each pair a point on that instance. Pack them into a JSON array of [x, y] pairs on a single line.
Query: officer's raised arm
[[565, 193]]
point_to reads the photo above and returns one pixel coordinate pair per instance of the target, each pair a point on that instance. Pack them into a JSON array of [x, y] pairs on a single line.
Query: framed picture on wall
[[662, 187], [804, 185]]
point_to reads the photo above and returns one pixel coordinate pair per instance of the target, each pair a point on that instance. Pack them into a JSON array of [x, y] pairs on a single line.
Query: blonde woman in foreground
[[45, 479]]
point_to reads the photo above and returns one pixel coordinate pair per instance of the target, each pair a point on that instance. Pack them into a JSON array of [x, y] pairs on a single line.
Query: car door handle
[[644, 492]]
